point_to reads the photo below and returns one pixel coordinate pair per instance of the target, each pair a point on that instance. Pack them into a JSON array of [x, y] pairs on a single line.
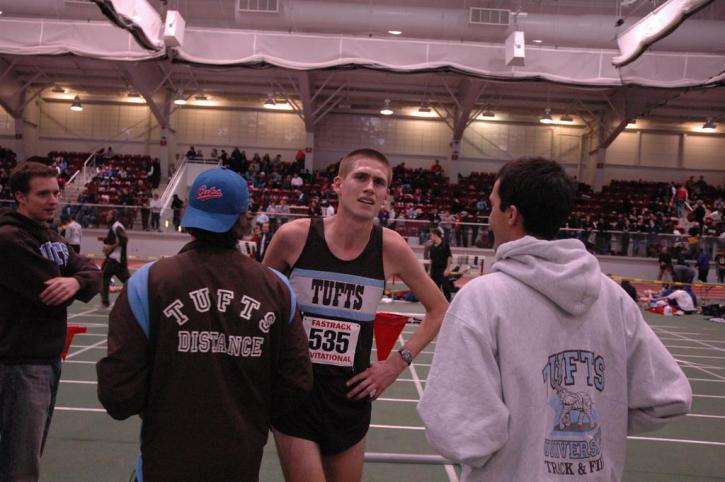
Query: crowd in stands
[[7, 163], [625, 218]]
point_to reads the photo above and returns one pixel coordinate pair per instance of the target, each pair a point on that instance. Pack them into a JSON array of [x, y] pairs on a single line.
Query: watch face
[[406, 356]]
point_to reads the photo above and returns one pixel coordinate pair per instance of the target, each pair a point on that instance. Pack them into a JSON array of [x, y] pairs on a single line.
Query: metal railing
[[461, 235]]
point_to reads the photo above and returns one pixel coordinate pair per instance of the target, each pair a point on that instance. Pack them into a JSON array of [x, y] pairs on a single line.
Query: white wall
[[486, 145], [253, 131], [417, 142], [660, 156], [130, 129], [7, 130]]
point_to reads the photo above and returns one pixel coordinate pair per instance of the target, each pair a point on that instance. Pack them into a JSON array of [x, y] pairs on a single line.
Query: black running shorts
[[328, 418]]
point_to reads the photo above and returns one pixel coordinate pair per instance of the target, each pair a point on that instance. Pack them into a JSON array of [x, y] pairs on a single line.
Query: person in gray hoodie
[[543, 367]]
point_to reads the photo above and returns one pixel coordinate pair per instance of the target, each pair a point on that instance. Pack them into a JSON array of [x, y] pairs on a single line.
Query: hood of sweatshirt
[[562, 270], [10, 217]]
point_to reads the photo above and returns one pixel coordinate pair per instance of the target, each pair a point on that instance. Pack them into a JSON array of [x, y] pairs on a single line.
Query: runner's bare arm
[[402, 262], [399, 260], [286, 245]]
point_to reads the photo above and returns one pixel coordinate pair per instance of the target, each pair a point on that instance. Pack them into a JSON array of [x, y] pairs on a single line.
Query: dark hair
[[347, 162], [541, 191], [20, 176], [228, 239], [115, 214]]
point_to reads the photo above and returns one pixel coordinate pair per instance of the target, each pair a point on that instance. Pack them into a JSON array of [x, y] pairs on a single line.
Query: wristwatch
[[406, 355]]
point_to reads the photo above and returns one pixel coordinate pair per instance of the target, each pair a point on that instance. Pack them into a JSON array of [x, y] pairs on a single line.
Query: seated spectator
[[296, 181], [436, 168], [679, 299], [629, 288]]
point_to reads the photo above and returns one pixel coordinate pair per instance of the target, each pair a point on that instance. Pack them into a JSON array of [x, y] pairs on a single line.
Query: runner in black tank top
[[338, 300], [331, 289], [324, 440]]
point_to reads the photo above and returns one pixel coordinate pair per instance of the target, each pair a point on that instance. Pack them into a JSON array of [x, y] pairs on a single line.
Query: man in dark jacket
[[207, 345], [40, 276]]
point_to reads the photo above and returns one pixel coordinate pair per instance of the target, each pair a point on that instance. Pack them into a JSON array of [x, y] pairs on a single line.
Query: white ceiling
[[356, 89]]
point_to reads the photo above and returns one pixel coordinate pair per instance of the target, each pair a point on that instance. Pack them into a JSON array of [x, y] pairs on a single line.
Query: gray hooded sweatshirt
[[543, 367]]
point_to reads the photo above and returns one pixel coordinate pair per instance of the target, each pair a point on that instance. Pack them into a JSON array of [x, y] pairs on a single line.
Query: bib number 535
[[329, 340]]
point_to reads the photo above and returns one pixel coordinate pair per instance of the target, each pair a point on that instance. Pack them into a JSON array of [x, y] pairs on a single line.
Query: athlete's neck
[[347, 237]]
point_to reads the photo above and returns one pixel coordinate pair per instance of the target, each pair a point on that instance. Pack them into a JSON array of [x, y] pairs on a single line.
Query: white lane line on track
[[450, 471], [691, 347], [699, 356], [80, 362], [91, 347], [401, 400], [697, 366], [81, 409], [82, 313], [91, 325], [702, 415], [649, 439], [79, 382], [396, 427], [680, 337], [677, 440]]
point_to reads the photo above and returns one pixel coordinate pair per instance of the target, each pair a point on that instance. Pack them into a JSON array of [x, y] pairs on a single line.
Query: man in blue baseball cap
[[217, 199], [207, 345]]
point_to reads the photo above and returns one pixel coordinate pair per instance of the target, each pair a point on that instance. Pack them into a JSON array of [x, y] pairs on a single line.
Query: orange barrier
[[387, 328], [69, 334]]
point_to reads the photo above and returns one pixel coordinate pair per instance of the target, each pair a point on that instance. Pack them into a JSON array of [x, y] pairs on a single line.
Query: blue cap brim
[[216, 223]]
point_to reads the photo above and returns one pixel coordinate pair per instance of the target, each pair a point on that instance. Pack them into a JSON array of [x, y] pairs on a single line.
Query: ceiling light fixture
[[58, 90], [201, 97], [133, 94], [269, 103], [546, 118], [76, 105], [631, 124], [386, 110], [395, 32], [487, 112], [180, 99], [709, 125], [538, 41], [424, 109], [567, 119]]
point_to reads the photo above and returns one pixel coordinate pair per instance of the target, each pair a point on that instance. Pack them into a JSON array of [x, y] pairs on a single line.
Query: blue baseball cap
[[217, 198]]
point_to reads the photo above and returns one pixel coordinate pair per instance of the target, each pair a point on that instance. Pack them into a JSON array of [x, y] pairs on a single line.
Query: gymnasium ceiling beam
[[304, 92], [468, 94], [10, 87], [628, 103], [146, 78]]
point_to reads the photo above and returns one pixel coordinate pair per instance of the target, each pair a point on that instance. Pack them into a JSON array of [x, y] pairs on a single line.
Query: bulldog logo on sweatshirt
[[573, 444]]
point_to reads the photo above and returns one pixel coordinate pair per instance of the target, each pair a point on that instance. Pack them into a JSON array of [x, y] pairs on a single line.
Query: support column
[[589, 169], [453, 168], [166, 151], [19, 147], [601, 159], [27, 132], [310, 151]]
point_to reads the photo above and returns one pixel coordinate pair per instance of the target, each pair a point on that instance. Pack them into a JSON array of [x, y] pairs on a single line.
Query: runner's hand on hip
[[373, 381]]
